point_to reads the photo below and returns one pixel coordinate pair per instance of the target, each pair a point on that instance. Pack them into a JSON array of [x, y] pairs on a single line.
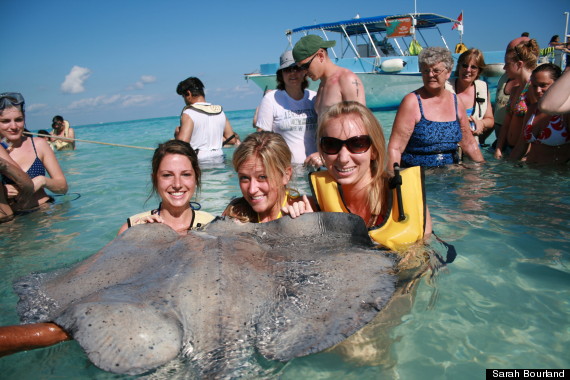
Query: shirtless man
[[337, 83]]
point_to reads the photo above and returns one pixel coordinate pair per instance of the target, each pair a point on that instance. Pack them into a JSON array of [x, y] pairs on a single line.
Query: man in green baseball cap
[[337, 83]]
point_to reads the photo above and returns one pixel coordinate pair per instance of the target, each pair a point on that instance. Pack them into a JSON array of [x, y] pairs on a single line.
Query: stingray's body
[[282, 289]]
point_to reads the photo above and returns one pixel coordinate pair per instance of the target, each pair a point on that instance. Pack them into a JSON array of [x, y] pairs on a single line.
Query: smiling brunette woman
[[175, 177]]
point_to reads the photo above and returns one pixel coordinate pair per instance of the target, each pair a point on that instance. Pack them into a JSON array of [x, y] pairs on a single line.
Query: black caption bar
[[526, 373]]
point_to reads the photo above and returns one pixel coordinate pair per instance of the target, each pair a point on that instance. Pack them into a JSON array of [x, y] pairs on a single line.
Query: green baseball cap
[[309, 45]]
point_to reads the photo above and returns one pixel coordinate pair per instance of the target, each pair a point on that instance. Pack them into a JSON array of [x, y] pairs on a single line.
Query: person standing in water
[[61, 128], [31, 153], [290, 112], [337, 83], [202, 124]]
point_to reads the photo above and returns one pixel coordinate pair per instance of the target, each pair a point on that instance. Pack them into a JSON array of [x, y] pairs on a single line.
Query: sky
[[115, 60]]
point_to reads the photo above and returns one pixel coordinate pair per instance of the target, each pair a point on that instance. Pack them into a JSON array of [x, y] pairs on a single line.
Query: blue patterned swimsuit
[[433, 143], [35, 170]]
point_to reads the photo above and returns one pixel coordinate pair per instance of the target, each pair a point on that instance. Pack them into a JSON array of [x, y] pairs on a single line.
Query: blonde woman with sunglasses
[[352, 144]]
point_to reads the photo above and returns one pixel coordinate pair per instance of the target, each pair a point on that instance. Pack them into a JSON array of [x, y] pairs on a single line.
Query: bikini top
[[36, 169], [520, 107], [554, 134]]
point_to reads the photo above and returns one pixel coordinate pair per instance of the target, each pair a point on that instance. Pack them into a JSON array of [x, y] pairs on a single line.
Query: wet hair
[[554, 38], [433, 55], [57, 119], [377, 196], [525, 51], [173, 147], [554, 70], [192, 84], [467, 56], [275, 155], [281, 82]]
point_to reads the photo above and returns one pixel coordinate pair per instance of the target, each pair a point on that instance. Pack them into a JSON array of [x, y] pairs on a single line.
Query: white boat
[[382, 51]]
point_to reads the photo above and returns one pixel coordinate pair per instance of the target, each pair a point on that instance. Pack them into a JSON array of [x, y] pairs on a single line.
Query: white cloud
[[148, 78], [120, 101], [73, 83], [36, 107], [239, 91], [145, 79]]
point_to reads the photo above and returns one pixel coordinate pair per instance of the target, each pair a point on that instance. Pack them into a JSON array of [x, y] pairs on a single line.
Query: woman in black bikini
[[32, 155]]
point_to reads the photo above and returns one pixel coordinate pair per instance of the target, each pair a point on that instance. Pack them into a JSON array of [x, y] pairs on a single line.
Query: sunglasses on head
[[13, 98], [356, 144]]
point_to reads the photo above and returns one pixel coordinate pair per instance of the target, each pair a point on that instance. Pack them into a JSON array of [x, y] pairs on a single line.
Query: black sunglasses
[[466, 66], [356, 144], [291, 69], [306, 65]]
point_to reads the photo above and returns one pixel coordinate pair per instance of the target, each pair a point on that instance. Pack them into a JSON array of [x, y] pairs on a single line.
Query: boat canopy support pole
[[371, 41], [443, 38], [350, 42], [398, 45], [423, 38], [327, 38]]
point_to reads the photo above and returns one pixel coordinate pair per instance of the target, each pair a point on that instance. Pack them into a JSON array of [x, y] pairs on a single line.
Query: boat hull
[[383, 91]]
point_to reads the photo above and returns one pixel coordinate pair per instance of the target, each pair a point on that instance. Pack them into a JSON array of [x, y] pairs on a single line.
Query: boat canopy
[[377, 24]]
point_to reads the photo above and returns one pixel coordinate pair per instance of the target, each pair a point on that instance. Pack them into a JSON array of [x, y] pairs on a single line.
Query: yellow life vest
[[392, 233], [62, 144], [199, 218]]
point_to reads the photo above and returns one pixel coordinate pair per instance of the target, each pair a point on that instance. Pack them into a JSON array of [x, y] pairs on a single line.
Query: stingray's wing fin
[[322, 301], [44, 295], [123, 337]]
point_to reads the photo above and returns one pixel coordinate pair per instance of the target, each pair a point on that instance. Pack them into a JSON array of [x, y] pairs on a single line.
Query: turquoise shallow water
[[503, 303]]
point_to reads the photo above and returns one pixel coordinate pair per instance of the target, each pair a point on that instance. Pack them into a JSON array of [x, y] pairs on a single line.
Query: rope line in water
[[89, 141]]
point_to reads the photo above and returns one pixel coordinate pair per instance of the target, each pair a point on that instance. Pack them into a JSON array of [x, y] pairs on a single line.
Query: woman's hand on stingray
[[298, 208]]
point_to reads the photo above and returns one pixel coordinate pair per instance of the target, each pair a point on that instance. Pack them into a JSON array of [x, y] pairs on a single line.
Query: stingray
[[216, 297]]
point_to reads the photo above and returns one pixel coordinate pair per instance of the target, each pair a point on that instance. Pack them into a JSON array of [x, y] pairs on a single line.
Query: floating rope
[[88, 141]]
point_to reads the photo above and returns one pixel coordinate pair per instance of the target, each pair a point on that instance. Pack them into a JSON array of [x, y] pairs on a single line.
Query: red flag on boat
[[460, 19]]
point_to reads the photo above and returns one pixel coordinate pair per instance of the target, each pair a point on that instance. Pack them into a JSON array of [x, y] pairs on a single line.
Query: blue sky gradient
[[104, 61]]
